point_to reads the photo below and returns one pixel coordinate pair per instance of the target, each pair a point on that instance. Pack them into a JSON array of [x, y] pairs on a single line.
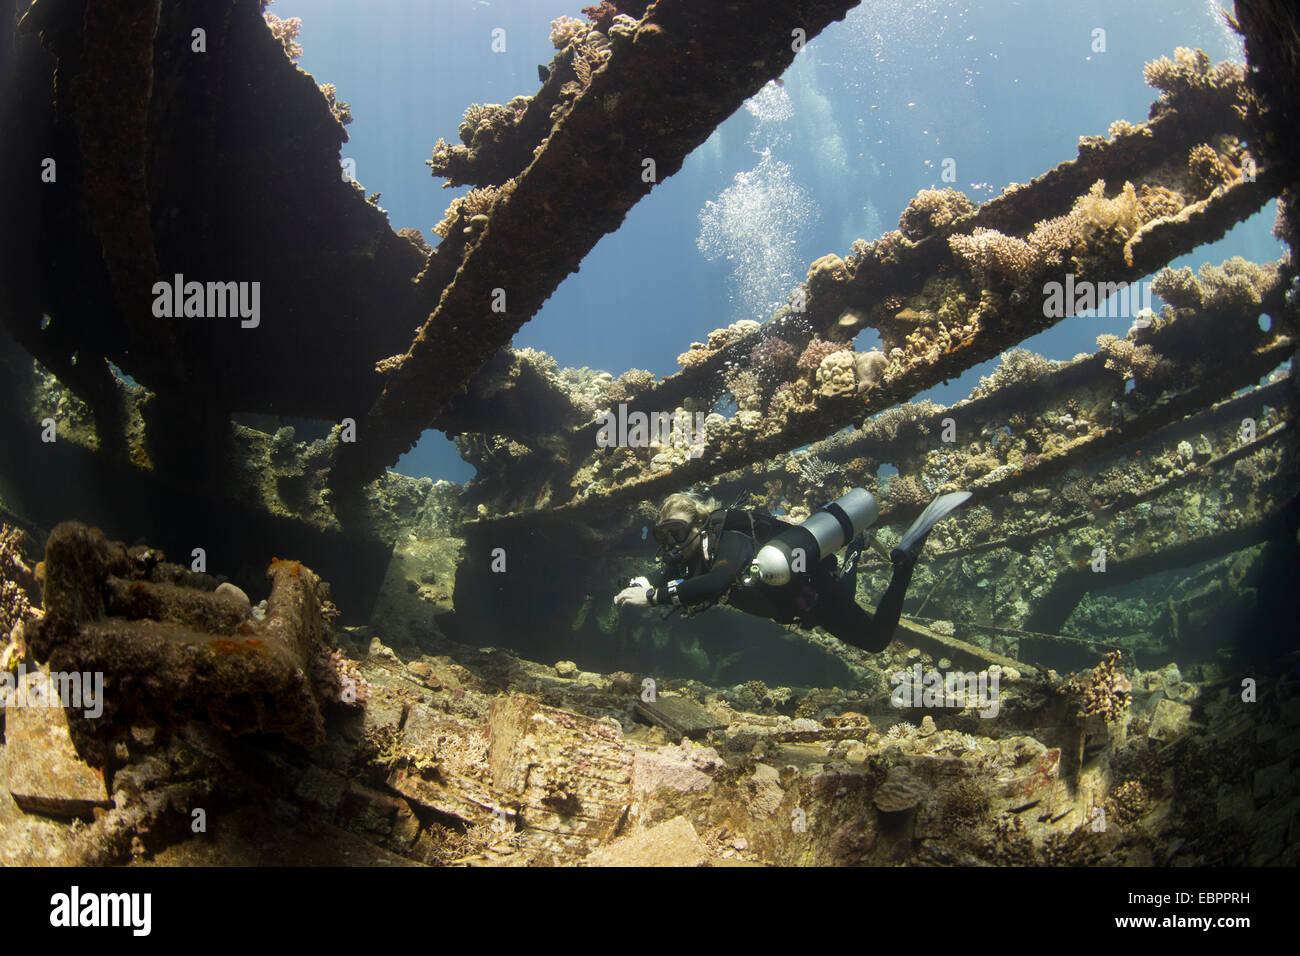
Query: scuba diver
[[764, 566]]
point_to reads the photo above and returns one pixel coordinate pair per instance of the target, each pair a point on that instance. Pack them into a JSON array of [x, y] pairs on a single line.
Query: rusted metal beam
[[1200, 222], [661, 94], [899, 267]]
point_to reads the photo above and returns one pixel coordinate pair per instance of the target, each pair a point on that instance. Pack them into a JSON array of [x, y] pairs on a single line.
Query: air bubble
[[750, 225]]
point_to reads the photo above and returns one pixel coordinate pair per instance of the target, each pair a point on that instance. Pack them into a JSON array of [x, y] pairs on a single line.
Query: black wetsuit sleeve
[[735, 551]]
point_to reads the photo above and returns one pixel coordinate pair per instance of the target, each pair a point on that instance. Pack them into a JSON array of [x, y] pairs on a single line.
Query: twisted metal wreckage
[[227, 165]]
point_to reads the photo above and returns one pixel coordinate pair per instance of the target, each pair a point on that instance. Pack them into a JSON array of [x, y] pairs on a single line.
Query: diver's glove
[[634, 596], [641, 582]]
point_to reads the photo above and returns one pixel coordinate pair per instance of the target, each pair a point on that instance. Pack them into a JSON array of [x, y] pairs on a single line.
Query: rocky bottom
[[479, 758]]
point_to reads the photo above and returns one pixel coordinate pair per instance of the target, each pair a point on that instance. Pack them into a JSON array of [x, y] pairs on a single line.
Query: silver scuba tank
[[800, 549]]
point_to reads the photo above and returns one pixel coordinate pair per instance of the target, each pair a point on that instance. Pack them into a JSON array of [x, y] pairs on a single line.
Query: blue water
[[868, 113]]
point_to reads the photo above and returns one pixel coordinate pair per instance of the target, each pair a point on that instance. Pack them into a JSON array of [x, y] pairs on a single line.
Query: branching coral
[[698, 354], [566, 29], [286, 32], [341, 111], [601, 15], [1132, 360], [1103, 692], [813, 355], [818, 472], [907, 490], [636, 380], [744, 386], [1128, 803], [1051, 241], [789, 398], [485, 121], [416, 238], [477, 202], [1121, 128], [15, 578], [1095, 213], [987, 250], [1178, 287], [932, 209], [774, 358], [1237, 283], [1056, 239], [1189, 80], [1206, 170], [544, 362], [1018, 365], [1157, 202]]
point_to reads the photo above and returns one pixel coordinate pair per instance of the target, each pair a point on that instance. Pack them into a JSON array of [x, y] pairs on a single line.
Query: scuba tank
[[799, 549]]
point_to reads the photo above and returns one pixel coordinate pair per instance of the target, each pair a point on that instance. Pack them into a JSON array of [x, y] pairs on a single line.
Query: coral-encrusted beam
[[687, 68], [1198, 223]]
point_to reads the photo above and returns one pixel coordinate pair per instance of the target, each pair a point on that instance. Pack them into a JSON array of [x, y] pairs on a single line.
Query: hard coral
[[15, 578], [416, 238], [601, 15], [338, 679], [817, 472], [1157, 202], [1096, 213], [744, 386], [477, 202], [1206, 170], [341, 111], [566, 29], [836, 375], [1128, 803], [987, 250], [870, 368], [636, 380], [485, 121], [1238, 282], [932, 209], [1103, 692], [1132, 360], [286, 32], [774, 358], [698, 354], [1188, 81], [813, 355], [1018, 365], [1055, 239]]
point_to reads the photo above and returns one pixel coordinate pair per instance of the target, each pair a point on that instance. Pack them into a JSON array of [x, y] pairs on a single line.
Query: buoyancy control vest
[[746, 593]]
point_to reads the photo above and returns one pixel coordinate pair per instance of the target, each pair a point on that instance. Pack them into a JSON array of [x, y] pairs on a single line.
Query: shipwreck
[[359, 700]]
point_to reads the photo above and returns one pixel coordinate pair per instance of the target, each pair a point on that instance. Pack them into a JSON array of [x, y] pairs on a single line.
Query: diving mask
[[673, 535]]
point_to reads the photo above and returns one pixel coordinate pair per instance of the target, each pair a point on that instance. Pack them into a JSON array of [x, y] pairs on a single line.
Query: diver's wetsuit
[[819, 599]]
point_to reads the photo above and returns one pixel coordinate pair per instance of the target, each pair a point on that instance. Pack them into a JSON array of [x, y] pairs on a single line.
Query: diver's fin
[[914, 537]]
